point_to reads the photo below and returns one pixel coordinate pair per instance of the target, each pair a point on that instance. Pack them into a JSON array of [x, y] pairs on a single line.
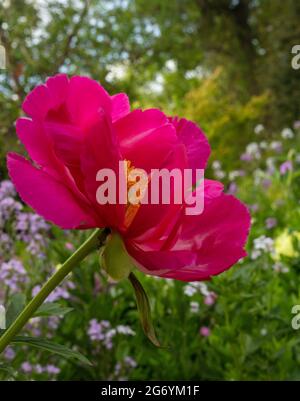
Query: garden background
[[226, 64]]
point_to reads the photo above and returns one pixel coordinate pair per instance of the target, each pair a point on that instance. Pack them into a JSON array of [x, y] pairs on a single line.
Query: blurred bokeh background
[[226, 64]]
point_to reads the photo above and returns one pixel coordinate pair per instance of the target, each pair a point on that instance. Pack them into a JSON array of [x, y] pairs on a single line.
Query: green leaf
[[7, 369], [54, 348], [52, 309], [14, 308], [144, 309]]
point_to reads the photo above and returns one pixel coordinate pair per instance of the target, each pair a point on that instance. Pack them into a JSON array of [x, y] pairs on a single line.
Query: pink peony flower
[[74, 129]]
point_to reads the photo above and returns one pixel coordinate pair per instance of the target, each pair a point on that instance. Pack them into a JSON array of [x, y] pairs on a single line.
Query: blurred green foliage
[[227, 65], [157, 52]]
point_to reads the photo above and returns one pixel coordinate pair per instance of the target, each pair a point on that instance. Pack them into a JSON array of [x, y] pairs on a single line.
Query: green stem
[[92, 243]]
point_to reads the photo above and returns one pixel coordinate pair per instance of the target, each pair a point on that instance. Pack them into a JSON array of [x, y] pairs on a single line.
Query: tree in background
[[157, 51]]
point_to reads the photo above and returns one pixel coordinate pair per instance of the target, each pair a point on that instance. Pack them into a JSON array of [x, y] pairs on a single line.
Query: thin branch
[[71, 36]]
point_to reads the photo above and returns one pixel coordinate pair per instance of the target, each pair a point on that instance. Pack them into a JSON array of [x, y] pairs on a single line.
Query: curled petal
[[47, 196]]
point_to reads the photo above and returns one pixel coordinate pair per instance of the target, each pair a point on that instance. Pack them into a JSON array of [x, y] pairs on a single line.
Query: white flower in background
[[297, 158], [296, 124], [263, 243], [263, 145], [258, 129], [253, 150], [276, 146], [194, 307], [203, 289], [189, 290], [255, 254], [234, 174], [280, 268], [195, 287], [258, 175], [2, 318], [126, 330], [216, 165], [220, 174], [287, 133], [264, 332], [270, 163]]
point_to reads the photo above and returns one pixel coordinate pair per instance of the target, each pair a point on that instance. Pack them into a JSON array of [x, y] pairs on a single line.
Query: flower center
[[131, 176]]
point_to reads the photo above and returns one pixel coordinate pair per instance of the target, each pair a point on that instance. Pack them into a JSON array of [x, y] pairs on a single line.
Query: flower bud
[[115, 259]]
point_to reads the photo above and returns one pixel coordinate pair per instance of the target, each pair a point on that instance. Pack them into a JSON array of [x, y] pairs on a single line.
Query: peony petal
[[58, 87], [85, 98], [36, 142], [158, 263], [198, 149], [101, 151], [140, 131], [207, 245], [47, 196], [37, 102], [120, 106], [40, 148], [153, 221], [67, 142], [217, 237], [47, 97]]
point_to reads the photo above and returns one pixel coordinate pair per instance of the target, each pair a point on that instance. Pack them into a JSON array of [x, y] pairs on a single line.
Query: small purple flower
[[7, 189], [266, 183], [232, 188], [210, 299], [13, 274], [26, 367], [9, 354], [271, 222], [254, 208], [204, 331], [130, 362], [52, 370], [276, 146], [69, 246], [246, 157], [286, 167]]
